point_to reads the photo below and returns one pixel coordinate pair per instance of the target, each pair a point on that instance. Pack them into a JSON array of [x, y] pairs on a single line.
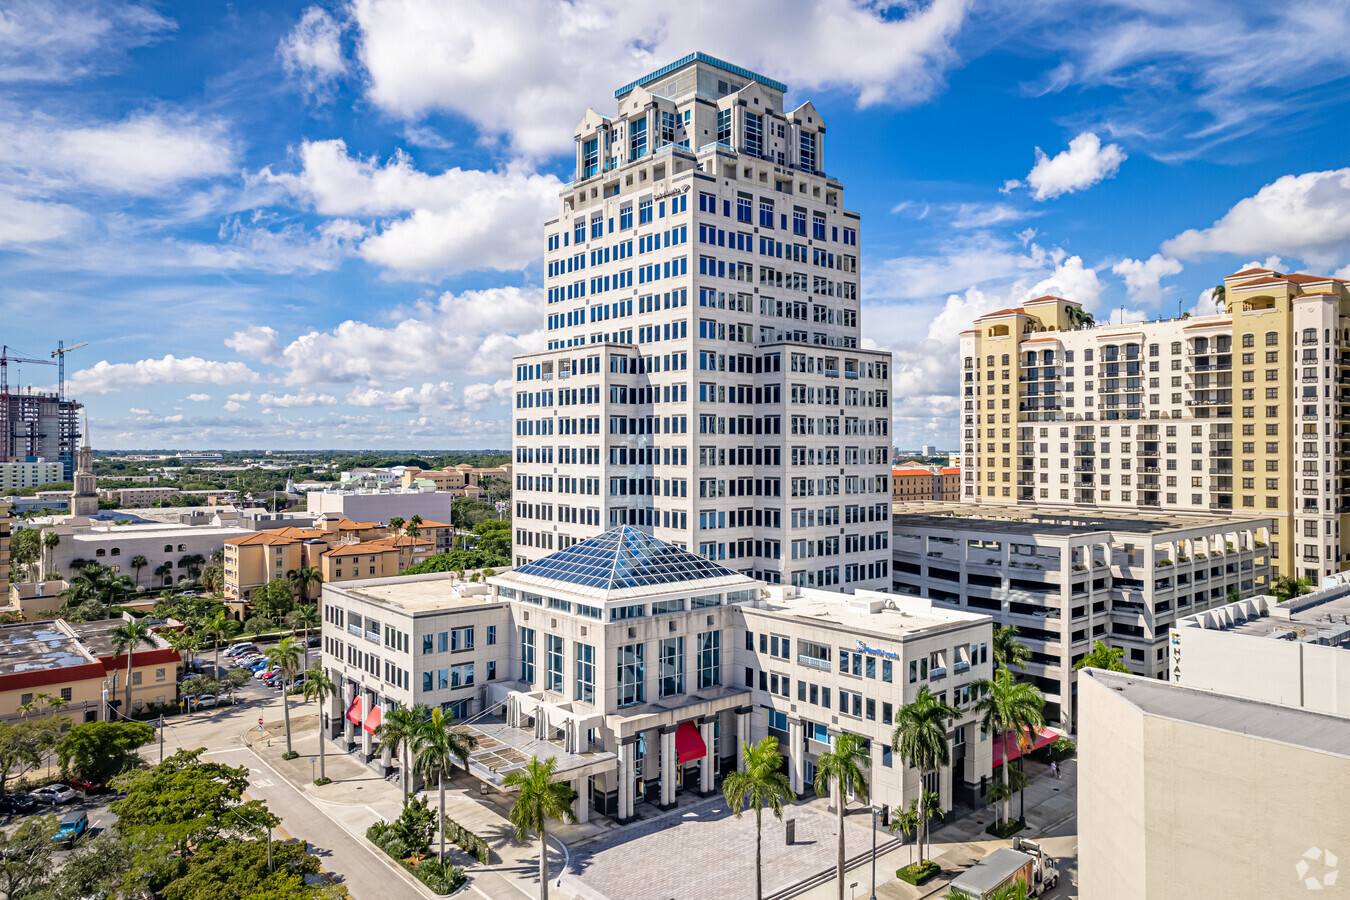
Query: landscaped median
[[407, 840]]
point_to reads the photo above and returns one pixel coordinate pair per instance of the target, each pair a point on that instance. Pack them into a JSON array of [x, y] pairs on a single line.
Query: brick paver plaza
[[703, 852]]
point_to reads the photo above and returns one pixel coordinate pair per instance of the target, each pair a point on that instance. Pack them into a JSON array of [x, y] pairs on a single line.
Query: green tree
[[100, 750], [220, 626], [539, 799], [163, 571], [398, 728], [396, 524], [305, 577], [759, 784], [1009, 708], [26, 856], [304, 618], [213, 578], [25, 549], [125, 639], [1103, 657], [457, 561], [288, 656], [839, 771], [906, 821], [23, 745], [239, 869], [1284, 588], [97, 583], [184, 804], [274, 599], [414, 527], [921, 740], [318, 688], [139, 562], [185, 642], [237, 678], [435, 748], [493, 538], [1009, 652], [415, 825]]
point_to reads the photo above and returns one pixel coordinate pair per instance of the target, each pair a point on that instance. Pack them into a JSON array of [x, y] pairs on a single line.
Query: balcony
[[937, 673], [814, 662]]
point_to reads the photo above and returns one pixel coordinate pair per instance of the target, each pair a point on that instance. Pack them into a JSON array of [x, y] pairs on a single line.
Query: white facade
[[1069, 578], [380, 505], [17, 475], [116, 546], [703, 378]]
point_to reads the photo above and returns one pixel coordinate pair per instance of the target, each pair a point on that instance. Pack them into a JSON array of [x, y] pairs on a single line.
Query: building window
[[554, 663], [670, 667], [491, 635], [67, 695], [631, 674], [461, 639], [709, 659], [637, 139], [807, 151], [724, 125], [585, 673], [527, 655]]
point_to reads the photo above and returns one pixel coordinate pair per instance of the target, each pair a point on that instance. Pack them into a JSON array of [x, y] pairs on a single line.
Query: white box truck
[[1025, 861]]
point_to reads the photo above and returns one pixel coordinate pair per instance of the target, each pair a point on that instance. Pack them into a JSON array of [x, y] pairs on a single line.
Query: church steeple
[[85, 500]]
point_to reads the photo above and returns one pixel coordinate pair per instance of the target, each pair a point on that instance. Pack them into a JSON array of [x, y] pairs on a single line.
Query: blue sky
[[318, 225]]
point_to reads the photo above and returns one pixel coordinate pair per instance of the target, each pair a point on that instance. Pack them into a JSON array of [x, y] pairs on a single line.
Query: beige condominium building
[[704, 378], [642, 668], [17, 475], [6, 521], [1069, 577], [1243, 412], [1187, 793]]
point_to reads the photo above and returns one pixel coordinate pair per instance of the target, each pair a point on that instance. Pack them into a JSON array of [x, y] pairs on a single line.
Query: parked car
[[263, 671], [273, 677], [250, 660], [205, 701], [54, 793], [240, 648], [72, 827], [18, 804], [314, 641], [299, 681], [87, 787]]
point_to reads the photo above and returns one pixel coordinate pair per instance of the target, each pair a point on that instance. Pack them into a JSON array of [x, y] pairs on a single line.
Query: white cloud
[[428, 225], [139, 412], [233, 406], [524, 70], [1143, 278], [199, 398], [1085, 163], [1072, 281], [1206, 305], [476, 396], [1302, 216], [105, 377], [956, 264], [25, 222], [51, 41], [271, 402], [429, 397], [256, 341], [312, 51]]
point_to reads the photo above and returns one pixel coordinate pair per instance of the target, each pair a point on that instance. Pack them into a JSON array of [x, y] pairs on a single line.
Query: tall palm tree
[[414, 527], [304, 577], [921, 740], [183, 641], [125, 639], [1006, 708], [1008, 650], [840, 771], [220, 626], [304, 617], [139, 562], [162, 571], [1103, 657], [540, 799], [758, 785], [318, 688], [286, 656], [906, 821], [398, 727], [396, 524], [435, 748], [193, 562]]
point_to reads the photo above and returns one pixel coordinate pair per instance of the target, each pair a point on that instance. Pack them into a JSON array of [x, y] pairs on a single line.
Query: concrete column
[[581, 806], [367, 739], [705, 772], [797, 753], [668, 763], [743, 735], [626, 775], [348, 732]]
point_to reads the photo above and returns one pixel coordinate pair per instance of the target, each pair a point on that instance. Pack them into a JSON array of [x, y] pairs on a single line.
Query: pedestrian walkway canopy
[[1043, 737], [502, 750]]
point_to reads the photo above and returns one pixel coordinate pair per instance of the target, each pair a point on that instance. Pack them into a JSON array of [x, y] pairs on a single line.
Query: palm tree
[[318, 688], [1008, 650], [305, 618], [286, 656], [906, 821], [220, 626], [183, 642], [921, 740], [163, 570], [840, 771], [540, 799], [125, 639], [304, 577], [193, 562], [1078, 317], [435, 748], [139, 562], [396, 524], [1103, 657], [757, 785], [1285, 588], [414, 527], [397, 729], [1009, 707]]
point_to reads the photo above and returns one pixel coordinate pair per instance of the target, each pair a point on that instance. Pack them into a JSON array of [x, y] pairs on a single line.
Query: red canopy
[[373, 720], [354, 711], [689, 743], [1043, 737]]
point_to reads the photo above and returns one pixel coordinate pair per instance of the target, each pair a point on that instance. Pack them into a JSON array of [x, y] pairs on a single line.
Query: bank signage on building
[[876, 651]]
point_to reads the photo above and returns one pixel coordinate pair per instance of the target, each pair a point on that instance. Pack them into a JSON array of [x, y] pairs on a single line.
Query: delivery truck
[[1025, 861]]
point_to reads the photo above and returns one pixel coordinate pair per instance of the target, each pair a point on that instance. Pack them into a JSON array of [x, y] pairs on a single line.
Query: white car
[[205, 701], [54, 793]]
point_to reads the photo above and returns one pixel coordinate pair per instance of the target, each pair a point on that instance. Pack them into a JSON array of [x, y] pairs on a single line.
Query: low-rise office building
[[642, 668], [134, 497], [381, 505], [18, 475], [1067, 578], [160, 544], [1189, 793]]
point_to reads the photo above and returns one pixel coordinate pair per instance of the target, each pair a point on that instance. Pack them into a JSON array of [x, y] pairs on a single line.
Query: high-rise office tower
[[703, 378], [1242, 412]]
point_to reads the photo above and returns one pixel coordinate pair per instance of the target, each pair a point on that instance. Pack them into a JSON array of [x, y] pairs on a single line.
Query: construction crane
[[6, 358], [59, 354]]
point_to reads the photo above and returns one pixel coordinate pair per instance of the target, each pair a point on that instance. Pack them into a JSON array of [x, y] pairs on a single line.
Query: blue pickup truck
[[72, 827]]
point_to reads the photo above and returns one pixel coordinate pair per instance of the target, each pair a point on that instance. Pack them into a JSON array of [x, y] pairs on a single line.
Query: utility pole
[[269, 849], [875, 812]]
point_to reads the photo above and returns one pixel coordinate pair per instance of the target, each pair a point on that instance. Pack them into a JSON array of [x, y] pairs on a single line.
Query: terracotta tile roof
[[274, 536], [1250, 272], [1004, 312], [901, 473], [1043, 339], [1223, 323], [362, 549], [402, 540], [955, 470], [1293, 278], [1051, 298], [349, 525], [427, 523]]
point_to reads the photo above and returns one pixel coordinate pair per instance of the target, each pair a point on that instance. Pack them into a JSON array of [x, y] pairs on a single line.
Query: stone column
[[743, 735], [348, 734], [581, 806], [668, 763], [626, 775], [367, 739], [797, 753], [705, 772]]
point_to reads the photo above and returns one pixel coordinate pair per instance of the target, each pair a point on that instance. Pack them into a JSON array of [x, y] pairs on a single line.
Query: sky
[[319, 225]]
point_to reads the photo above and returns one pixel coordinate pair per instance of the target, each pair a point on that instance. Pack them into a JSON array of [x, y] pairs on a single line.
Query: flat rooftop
[[415, 593], [35, 646], [896, 616], [94, 635], [1266, 721], [1306, 618], [1050, 521]]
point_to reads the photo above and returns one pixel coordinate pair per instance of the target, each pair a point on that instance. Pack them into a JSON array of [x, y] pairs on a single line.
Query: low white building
[[18, 475], [116, 546], [380, 505], [1067, 578], [643, 668]]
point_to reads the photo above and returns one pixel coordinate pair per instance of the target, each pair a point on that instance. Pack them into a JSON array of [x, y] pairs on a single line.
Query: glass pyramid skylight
[[623, 558]]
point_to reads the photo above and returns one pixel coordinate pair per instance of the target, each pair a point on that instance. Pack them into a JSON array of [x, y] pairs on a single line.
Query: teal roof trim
[[703, 58]]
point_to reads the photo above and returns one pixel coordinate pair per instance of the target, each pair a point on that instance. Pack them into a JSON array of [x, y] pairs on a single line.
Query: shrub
[[1261, 544], [1062, 748], [1006, 829], [918, 873], [471, 843], [442, 878], [1164, 562]]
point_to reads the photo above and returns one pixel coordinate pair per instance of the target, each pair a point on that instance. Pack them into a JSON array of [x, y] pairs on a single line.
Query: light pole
[[875, 812], [161, 738]]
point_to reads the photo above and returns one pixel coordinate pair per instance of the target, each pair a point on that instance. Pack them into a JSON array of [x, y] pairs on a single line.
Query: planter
[[1006, 830], [918, 873]]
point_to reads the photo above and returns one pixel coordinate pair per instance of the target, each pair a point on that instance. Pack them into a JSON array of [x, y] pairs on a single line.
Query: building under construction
[[38, 424]]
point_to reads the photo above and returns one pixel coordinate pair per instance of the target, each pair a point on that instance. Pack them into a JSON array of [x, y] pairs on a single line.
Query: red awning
[[373, 720], [689, 743], [1044, 737], [354, 711]]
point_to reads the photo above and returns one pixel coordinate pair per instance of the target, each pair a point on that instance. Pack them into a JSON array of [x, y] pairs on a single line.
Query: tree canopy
[[458, 561], [100, 750]]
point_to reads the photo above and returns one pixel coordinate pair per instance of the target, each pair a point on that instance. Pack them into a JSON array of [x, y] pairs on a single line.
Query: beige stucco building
[[17, 475], [1185, 793]]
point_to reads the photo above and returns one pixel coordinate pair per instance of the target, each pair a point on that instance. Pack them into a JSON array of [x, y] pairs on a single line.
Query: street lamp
[[875, 813], [1022, 797]]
